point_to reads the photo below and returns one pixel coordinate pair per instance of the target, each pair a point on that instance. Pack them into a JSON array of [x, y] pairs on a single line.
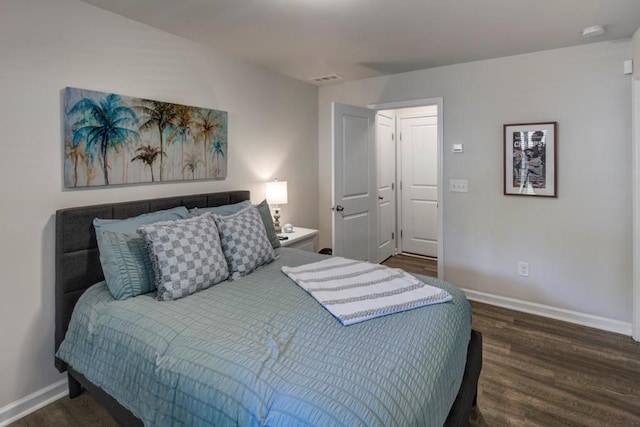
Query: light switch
[[457, 148], [458, 185]]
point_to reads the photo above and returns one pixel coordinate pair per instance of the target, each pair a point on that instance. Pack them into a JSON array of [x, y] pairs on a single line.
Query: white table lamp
[[277, 195]]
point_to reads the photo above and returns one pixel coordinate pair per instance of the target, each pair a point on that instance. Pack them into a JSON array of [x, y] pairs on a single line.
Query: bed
[[297, 364]]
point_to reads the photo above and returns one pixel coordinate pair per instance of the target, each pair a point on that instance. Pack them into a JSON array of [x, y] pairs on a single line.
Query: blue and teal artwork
[[113, 139]]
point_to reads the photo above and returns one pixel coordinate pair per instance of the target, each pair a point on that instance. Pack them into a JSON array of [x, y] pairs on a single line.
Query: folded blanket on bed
[[355, 291]]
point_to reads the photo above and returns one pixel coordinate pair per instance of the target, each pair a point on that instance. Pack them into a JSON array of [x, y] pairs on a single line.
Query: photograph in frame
[[530, 158]]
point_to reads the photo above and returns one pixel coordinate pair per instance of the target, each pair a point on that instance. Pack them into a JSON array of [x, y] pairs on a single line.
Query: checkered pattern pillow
[[244, 241], [186, 255]]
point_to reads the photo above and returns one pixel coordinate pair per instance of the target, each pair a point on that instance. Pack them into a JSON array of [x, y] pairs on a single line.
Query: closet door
[[419, 151]]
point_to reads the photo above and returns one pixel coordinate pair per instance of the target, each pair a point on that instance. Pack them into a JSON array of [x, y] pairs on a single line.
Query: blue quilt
[[259, 351]]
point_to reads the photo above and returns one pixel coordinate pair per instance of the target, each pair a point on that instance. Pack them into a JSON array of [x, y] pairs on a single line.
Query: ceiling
[[357, 39]]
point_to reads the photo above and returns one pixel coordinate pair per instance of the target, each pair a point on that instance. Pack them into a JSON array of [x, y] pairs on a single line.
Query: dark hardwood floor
[[543, 372], [83, 411], [536, 372], [414, 264]]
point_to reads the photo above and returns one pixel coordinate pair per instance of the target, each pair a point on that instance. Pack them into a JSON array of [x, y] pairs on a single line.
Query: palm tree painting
[[207, 126], [191, 163], [148, 155], [103, 126], [103, 134], [158, 116], [182, 128]]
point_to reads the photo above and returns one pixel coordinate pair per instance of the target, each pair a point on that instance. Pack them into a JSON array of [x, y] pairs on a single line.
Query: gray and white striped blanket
[[355, 291]]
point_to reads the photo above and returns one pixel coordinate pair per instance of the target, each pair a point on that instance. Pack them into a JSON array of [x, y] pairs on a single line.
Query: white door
[[385, 135], [354, 187], [419, 184]]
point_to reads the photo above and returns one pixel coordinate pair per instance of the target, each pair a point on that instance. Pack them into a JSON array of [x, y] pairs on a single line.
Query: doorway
[[384, 217], [414, 169]]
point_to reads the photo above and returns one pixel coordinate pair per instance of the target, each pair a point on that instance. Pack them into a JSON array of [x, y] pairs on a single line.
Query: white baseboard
[[31, 403], [583, 319]]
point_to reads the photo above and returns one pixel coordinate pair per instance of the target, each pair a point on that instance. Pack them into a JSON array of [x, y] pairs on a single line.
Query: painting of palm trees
[[148, 155], [113, 139]]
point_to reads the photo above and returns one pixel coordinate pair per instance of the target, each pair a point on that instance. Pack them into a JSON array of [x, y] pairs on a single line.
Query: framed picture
[[112, 139], [530, 159]]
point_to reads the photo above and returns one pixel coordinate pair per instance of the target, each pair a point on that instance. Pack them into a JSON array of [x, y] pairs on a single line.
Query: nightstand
[[300, 238]]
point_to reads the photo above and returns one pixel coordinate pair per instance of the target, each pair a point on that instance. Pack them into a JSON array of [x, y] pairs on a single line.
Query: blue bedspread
[[260, 351]]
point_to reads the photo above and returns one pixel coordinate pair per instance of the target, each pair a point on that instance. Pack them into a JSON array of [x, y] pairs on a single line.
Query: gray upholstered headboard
[[77, 258]]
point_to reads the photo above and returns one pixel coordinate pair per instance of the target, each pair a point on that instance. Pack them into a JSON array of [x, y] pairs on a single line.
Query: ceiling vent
[[327, 78]]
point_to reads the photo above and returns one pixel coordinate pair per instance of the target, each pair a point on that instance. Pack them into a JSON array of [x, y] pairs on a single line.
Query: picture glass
[[530, 159], [529, 153]]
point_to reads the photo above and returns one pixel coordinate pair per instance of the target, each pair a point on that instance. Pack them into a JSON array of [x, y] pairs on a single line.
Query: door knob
[[339, 208], [380, 197]]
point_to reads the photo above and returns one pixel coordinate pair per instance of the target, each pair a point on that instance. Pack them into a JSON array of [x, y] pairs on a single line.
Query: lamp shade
[[277, 193]]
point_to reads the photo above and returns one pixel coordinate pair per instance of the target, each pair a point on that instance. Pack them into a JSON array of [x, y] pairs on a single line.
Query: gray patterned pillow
[[244, 241], [186, 255], [270, 229]]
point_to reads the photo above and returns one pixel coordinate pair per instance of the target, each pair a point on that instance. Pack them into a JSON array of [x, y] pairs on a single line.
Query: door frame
[[400, 170], [438, 101], [635, 108]]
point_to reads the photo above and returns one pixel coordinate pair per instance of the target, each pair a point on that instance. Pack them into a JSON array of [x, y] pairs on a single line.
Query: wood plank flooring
[[83, 411], [544, 372], [536, 372], [414, 264]]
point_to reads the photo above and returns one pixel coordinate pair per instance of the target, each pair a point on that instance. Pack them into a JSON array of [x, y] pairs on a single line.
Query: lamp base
[[276, 220]]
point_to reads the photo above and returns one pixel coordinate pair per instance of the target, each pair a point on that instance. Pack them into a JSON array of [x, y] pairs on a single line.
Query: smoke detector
[[594, 31]]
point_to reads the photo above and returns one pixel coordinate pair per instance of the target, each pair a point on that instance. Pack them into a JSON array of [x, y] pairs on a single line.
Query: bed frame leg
[[75, 389]]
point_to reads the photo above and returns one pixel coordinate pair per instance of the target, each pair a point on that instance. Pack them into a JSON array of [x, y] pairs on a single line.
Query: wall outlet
[[458, 185], [523, 269]]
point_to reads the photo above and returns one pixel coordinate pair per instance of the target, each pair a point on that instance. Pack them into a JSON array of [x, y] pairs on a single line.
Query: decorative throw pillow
[[269, 228], [244, 241], [223, 210], [123, 254], [127, 267], [186, 255]]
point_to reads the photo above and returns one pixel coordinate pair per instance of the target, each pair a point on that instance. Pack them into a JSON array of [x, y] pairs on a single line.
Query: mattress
[[259, 351]]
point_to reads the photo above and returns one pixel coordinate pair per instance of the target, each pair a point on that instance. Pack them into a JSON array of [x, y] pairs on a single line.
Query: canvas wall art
[[113, 139]]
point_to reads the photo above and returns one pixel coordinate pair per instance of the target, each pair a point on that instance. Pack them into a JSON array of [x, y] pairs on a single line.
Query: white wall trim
[[583, 319], [404, 104], [31, 403], [635, 148]]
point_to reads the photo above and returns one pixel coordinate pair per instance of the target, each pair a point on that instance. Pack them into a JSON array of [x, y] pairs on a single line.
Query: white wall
[[636, 54], [578, 245], [45, 46]]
